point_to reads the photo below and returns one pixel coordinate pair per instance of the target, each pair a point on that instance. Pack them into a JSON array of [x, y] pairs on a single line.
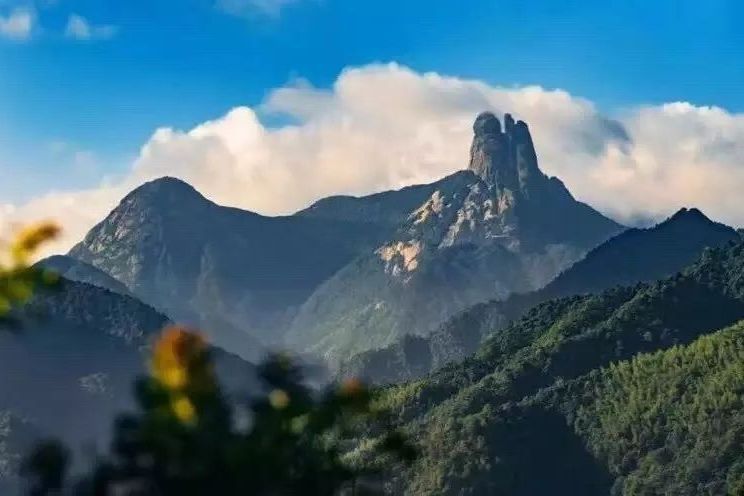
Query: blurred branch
[[18, 278]]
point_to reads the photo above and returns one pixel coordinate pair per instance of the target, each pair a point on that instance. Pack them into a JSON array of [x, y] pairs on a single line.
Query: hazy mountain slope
[[456, 412], [70, 367], [501, 226], [234, 273], [15, 435], [75, 270], [635, 255], [390, 208]]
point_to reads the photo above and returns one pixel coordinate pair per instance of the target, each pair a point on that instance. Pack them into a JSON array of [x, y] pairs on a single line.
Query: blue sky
[[73, 110]]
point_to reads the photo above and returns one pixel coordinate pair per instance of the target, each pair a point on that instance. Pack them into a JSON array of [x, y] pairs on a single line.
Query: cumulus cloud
[[18, 25], [386, 126], [79, 28]]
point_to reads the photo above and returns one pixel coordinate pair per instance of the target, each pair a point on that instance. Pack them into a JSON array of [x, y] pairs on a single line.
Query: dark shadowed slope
[[638, 255]]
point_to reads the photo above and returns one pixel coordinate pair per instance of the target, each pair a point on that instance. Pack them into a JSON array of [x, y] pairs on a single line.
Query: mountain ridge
[[633, 256], [236, 274]]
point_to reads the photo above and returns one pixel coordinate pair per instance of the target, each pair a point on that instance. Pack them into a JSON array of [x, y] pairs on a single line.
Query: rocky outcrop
[[499, 227], [503, 159]]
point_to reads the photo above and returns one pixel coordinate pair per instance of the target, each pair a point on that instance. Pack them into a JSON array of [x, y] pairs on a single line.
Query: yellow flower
[[183, 409], [180, 360], [279, 399], [173, 377]]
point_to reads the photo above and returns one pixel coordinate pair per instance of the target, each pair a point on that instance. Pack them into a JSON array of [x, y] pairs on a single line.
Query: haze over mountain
[[76, 270], [501, 226], [70, 368], [633, 256], [236, 274]]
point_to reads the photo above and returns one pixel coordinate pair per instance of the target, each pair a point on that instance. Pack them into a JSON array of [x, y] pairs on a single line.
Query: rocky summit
[[498, 227], [505, 158]]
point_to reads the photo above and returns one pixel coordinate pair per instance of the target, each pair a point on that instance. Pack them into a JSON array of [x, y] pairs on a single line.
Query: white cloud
[[271, 8], [386, 126], [79, 28], [18, 25]]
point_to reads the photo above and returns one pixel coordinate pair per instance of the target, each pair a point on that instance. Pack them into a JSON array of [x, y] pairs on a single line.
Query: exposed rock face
[[506, 160], [499, 227]]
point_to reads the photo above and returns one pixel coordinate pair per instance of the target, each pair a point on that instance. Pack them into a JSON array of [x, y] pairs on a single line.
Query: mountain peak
[[164, 191], [487, 124], [688, 213], [166, 184], [685, 217], [503, 158]]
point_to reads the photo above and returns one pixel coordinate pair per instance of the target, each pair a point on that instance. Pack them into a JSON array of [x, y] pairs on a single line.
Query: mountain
[[70, 367], [633, 256], [502, 226], [233, 273], [388, 208], [536, 407], [638, 255], [75, 270]]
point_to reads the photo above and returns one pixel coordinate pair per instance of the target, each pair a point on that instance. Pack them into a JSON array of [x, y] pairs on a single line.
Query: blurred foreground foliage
[[189, 438], [18, 278]]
